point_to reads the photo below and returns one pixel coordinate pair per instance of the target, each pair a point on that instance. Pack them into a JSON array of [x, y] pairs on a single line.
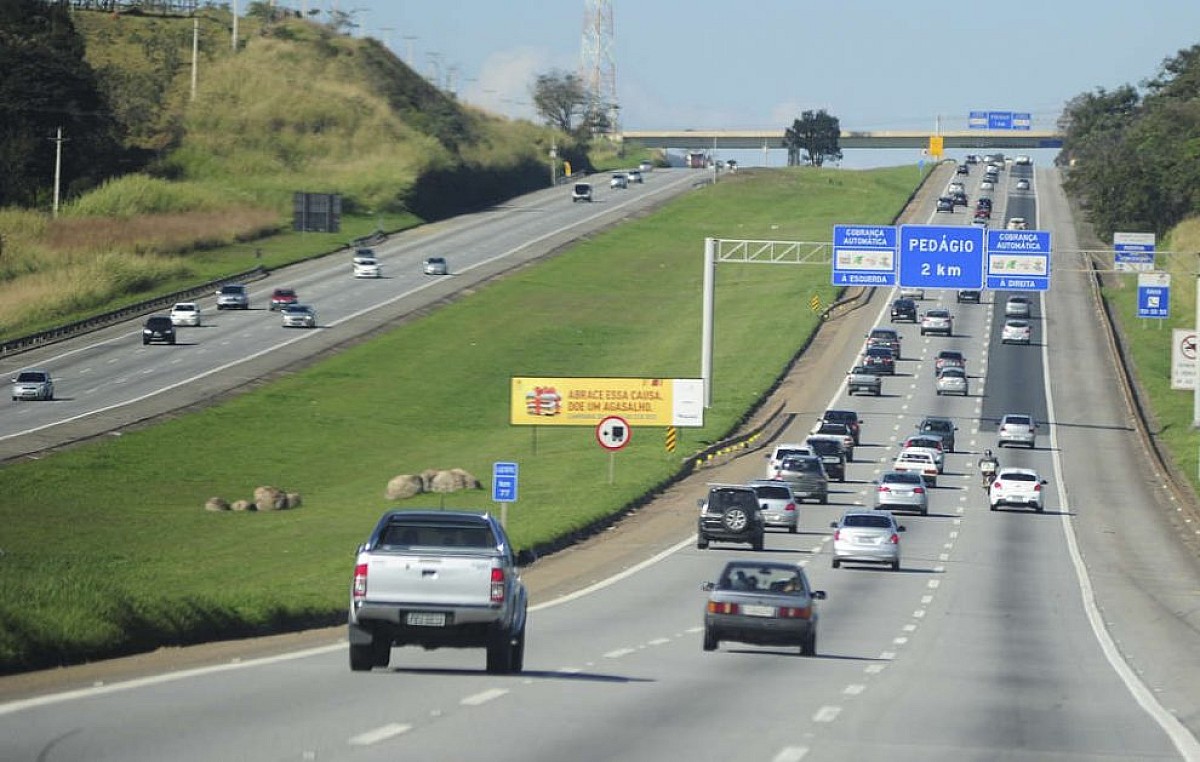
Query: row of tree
[[1134, 155]]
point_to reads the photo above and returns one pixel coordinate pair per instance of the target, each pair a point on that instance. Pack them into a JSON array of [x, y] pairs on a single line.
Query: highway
[[1067, 635], [108, 379]]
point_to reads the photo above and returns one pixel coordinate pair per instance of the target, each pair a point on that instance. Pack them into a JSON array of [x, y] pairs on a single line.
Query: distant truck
[[438, 579], [696, 160]]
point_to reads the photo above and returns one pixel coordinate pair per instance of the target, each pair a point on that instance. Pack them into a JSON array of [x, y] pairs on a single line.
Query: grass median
[[106, 548]]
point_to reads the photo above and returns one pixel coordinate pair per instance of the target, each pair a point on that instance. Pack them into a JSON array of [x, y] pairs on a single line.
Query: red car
[[282, 297]]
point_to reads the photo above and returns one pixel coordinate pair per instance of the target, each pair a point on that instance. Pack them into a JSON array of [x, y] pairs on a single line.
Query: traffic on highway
[[900, 608]]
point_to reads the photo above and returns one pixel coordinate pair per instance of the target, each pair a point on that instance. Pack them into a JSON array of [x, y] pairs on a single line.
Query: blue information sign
[[977, 120], [1000, 120], [1022, 121], [864, 255], [1018, 260], [1154, 295], [941, 256], [504, 482]]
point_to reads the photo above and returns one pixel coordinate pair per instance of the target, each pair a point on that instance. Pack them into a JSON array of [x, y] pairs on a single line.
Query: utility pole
[[195, 52], [58, 141], [234, 35]]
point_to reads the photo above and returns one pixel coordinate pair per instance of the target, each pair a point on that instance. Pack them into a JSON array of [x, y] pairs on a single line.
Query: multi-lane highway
[[107, 379], [1067, 635]]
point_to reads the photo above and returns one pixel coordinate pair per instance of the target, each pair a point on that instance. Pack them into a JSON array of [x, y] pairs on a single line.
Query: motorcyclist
[[988, 466]]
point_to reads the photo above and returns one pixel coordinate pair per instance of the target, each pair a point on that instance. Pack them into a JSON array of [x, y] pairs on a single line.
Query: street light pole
[[58, 141], [195, 52], [233, 37]]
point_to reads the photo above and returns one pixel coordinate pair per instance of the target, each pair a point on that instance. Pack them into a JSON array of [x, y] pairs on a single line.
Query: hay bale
[[216, 504], [444, 481], [270, 499], [427, 479], [404, 486], [241, 505], [293, 500]]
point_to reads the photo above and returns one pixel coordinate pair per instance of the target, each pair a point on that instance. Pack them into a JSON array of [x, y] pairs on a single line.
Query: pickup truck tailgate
[[444, 580]]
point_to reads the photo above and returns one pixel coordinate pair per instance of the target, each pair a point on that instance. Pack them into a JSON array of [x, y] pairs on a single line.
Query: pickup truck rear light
[[498, 586], [360, 581]]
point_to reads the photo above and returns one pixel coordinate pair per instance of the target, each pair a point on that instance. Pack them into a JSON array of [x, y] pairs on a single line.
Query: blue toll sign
[[864, 255], [941, 256], [504, 482]]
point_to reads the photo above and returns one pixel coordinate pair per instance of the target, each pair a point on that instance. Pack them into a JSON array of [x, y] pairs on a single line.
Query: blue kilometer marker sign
[[1018, 260], [940, 256], [864, 255]]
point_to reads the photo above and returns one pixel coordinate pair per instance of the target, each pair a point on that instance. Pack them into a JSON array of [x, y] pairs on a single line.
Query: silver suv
[[1017, 429], [807, 477], [233, 296]]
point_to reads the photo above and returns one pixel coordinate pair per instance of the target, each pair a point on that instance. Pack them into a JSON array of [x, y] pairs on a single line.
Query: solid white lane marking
[[791, 754], [827, 714], [483, 697], [380, 734]]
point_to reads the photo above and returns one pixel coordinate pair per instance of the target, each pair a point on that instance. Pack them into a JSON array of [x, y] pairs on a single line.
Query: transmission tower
[[598, 70]]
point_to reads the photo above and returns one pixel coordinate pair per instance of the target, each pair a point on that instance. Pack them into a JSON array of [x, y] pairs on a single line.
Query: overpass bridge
[[764, 139]]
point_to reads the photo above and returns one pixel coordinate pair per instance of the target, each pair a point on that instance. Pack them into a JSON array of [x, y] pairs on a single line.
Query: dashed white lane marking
[[926, 600], [617, 654], [943, 556], [483, 697], [933, 584], [919, 614], [874, 669], [854, 689], [380, 734], [569, 670], [909, 628], [887, 655], [938, 570], [659, 641], [900, 640], [953, 535], [791, 754], [827, 714]]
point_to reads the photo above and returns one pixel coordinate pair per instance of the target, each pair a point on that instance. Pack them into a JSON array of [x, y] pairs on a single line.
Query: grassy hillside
[[107, 548], [299, 107]]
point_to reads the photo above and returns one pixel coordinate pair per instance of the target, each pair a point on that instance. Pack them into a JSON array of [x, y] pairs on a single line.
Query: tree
[[560, 98], [45, 83], [816, 134]]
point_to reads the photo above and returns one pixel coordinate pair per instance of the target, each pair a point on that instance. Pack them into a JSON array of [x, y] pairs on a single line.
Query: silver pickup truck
[[438, 579]]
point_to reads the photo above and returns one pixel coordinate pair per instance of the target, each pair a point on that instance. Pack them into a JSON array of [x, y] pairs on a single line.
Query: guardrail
[[103, 320]]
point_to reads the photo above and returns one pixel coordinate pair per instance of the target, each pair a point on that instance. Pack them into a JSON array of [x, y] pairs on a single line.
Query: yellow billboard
[[936, 143], [552, 401]]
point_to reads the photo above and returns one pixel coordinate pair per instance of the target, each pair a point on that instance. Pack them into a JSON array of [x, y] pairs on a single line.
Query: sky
[[757, 64]]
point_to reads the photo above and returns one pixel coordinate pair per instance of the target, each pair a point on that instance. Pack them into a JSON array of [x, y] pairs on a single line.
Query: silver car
[[436, 266], [901, 491], [1015, 332], [1017, 306], [869, 537], [233, 296], [952, 381], [806, 476], [778, 504], [1017, 429], [33, 385], [767, 603], [937, 321], [299, 316]]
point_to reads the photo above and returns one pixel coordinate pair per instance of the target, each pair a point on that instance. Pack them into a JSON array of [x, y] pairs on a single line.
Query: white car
[[185, 313], [987, 185], [634, 175], [1022, 184], [299, 316], [918, 460], [781, 451], [619, 180], [1015, 332], [436, 266], [1017, 486], [1017, 223], [911, 292], [367, 267]]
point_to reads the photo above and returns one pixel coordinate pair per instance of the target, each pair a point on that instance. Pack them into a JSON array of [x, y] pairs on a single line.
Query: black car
[[945, 204], [904, 309], [848, 417], [963, 169], [942, 427], [973, 295], [960, 198], [983, 202], [880, 360], [158, 328], [731, 514]]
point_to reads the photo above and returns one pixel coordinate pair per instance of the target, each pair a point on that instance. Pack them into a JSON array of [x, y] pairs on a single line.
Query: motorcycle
[[987, 473]]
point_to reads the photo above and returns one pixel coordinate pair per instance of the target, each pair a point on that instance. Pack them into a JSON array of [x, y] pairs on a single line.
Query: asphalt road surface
[[1066, 635]]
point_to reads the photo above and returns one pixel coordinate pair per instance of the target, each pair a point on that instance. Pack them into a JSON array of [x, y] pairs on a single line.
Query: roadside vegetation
[[107, 548]]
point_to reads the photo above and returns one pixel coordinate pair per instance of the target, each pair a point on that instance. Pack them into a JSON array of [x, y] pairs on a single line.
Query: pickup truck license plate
[[425, 619]]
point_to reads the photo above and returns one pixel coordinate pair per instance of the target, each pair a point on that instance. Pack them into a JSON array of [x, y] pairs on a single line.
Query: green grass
[[1148, 343], [106, 548]]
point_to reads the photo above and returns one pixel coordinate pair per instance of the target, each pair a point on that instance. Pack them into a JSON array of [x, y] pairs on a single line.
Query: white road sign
[[1183, 359]]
